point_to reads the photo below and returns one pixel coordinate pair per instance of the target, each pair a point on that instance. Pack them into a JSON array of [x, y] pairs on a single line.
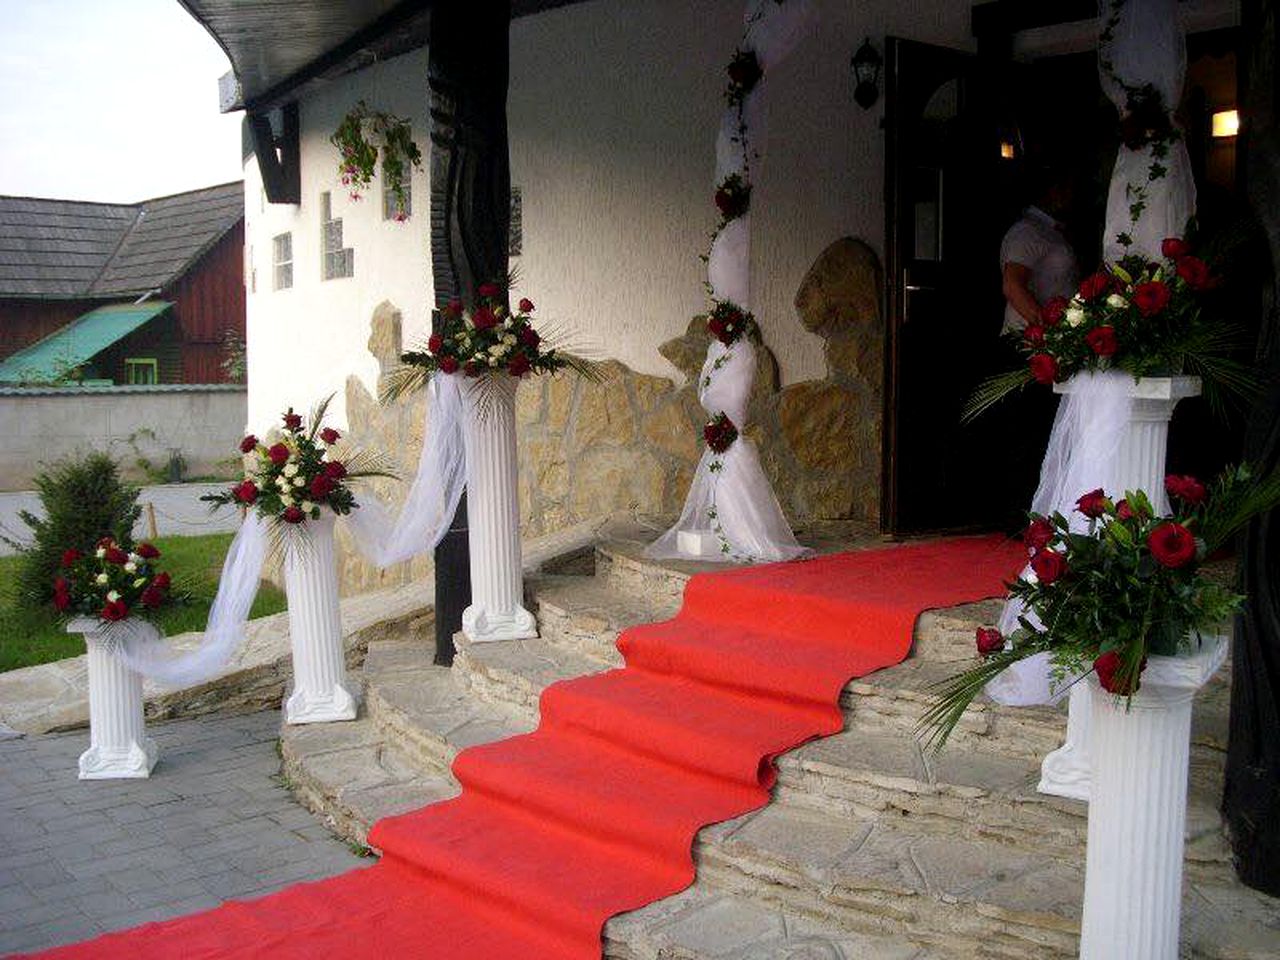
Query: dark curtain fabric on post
[[470, 213], [1251, 800]]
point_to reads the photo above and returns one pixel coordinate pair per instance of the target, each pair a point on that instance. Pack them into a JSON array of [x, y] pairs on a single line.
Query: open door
[[947, 204]]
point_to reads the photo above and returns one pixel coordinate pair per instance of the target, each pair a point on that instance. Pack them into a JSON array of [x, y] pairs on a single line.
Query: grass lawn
[[30, 636]]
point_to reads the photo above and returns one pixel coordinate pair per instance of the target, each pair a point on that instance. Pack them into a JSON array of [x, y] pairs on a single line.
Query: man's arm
[[1017, 290]]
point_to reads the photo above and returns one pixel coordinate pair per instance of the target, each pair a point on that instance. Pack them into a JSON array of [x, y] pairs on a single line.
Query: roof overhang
[[79, 341]]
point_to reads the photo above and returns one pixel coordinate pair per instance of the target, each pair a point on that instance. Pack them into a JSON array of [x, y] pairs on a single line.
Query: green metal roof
[[80, 340]]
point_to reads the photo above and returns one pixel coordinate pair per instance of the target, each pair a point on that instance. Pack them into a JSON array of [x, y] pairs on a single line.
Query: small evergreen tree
[[84, 500]]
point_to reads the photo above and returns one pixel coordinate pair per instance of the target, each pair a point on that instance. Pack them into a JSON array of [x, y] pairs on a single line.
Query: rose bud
[[1151, 297], [1172, 545], [248, 444], [1038, 534], [1102, 341], [490, 291], [529, 337], [1124, 511], [1174, 247], [70, 556], [161, 581], [1044, 369], [526, 305], [279, 454], [448, 365], [292, 515], [434, 343], [1048, 566], [1194, 272], [1093, 504], [990, 641], [330, 435], [292, 421], [1185, 488]]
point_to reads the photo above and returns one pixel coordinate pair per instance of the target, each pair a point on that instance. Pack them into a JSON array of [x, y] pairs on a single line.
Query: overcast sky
[[111, 100]]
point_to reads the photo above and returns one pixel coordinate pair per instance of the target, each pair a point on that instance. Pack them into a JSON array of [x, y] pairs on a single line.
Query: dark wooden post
[[470, 212], [1251, 800]]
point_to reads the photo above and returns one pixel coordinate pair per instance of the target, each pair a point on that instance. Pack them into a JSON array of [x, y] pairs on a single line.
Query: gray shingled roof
[[69, 249]]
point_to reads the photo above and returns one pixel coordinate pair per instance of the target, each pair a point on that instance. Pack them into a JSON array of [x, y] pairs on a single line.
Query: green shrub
[[84, 500]]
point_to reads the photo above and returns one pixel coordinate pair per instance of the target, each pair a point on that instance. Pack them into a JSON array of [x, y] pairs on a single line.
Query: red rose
[[448, 365], [1174, 248], [1034, 334], [330, 435], [62, 601], [716, 326], [1093, 504], [1048, 566], [292, 515], [526, 305], [146, 551], [453, 307], [279, 454], [1051, 311], [1102, 341], [1185, 488], [990, 641], [248, 444], [518, 365], [246, 492], [490, 291], [1124, 511], [161, 581], [1044, 369], [472, 369], [1108, 665], [70, 556], [1172, 545], [152, 597], [529, 337], [321, 487], [106, 542], [720, 433], [1038, 534], [434, 343], [1151, 297], [114, 610], [292, 421], [116, 555], [1194, 272], [1095, 286], [484, 319], [335, 469], [60, 585]]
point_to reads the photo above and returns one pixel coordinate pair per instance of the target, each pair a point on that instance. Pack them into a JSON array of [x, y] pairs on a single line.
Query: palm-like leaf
[[992, 390]]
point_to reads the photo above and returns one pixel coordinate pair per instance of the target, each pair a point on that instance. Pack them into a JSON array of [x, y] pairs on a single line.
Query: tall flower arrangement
[[112, 582]]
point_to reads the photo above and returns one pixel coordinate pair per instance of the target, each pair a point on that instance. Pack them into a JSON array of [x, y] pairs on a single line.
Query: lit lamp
[[1226, 123], [866, 65]]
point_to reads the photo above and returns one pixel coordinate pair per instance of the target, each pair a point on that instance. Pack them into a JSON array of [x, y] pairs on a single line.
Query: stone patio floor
[[213, 823]]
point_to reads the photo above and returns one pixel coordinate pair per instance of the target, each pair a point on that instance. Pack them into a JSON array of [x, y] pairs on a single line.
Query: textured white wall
[[613, 111]]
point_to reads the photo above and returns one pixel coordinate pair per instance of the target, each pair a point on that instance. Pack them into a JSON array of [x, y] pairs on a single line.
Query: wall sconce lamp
[[1225, 123], [866, 64]]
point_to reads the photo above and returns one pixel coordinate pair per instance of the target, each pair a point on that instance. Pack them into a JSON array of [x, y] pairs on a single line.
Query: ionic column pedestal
[[1138, 810], [493, 512], [1139, 465], [119, 747], [320, 690]]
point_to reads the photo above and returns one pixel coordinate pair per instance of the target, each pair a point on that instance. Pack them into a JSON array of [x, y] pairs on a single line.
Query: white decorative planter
[[320, 690], [493, 512], [1139, 465], [118, 743], [1138, 809]]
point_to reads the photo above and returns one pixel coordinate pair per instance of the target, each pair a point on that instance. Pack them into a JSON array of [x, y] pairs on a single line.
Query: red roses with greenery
[[111, 583], [728, 322], [720, 433], [733, 198], [1129, 586]]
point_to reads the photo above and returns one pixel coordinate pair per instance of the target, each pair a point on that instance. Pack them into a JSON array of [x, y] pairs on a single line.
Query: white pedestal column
[[320, 690], [119, 747], [1139, 465], [493, 512], [1138, 810]]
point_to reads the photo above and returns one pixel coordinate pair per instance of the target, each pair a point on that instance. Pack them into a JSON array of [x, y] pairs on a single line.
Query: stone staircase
[[873, 847]]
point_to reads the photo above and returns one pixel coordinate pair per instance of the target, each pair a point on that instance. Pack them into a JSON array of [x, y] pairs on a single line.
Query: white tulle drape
[[747, 521], [1147, 47], [735, 501], [1082, 455], [423, 519]]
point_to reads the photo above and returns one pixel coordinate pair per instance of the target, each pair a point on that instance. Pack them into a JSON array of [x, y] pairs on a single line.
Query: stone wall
[[631, 443]]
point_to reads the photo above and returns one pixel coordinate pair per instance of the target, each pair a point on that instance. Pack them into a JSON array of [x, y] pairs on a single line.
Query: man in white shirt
[[1036, 260]]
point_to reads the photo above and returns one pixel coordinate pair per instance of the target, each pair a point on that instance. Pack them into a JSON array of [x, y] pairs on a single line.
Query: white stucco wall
[[613, 111]]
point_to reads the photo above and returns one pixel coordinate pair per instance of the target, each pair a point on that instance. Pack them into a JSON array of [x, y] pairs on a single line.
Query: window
[[339, 261], [282, 261], [515, 234], [139, 371], [391, 210]]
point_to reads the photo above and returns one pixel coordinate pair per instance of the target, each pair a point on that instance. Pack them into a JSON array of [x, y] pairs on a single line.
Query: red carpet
[[595, 812]]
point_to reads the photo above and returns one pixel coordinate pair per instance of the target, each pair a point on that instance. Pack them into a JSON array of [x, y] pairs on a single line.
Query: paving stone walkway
[[213, 823]]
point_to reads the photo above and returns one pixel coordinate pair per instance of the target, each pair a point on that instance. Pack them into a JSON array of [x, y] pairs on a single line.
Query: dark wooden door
[[947, 206]]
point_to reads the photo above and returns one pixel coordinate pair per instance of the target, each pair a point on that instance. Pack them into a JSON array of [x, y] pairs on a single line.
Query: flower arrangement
[[733, 198], [744, 73], [1129, 585], [361, 137], [720, 433], [111, 583], [728, 322], [294, 472], [1138, 315]]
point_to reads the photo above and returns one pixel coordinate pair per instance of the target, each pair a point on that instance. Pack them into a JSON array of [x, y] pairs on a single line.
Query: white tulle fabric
[[1082, 455], [748, 519], [1148, 46], [423, 519]]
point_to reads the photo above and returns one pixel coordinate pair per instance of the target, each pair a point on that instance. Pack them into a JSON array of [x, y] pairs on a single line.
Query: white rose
[[299, 481], [290, 469], [286, 500], [1117, 301], [135, 558], [274, 436], [113, 596], [497, 349], [307, 506], [1074, 316], [100, 578], [282, 483], [130, 567], [509, 339], [100, 552], [1077, 301], [506, 324], [493, 361]]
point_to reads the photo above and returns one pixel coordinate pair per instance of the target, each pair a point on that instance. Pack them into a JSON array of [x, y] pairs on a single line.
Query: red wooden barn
[[151, 292]]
